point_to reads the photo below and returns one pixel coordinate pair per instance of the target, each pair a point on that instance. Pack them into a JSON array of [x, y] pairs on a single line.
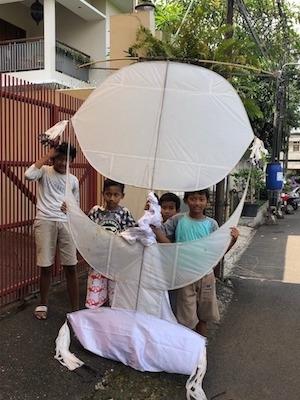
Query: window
[[296, 146]]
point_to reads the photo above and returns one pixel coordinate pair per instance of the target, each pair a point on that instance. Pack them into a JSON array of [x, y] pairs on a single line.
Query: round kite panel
[[164, 125]]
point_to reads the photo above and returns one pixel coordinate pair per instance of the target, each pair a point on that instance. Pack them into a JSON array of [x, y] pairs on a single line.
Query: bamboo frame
[[273, 74]]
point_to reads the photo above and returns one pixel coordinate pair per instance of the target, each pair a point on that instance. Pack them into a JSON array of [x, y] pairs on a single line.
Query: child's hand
[[64, 208], [160, 236], [234, 233]]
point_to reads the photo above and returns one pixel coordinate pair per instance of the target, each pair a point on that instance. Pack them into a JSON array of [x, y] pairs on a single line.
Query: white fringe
[[57, 129], [193, 385], [63, 354]]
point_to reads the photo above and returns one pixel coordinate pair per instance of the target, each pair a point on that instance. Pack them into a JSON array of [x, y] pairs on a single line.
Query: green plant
[[147, 45], [204, 35], [75, 55], [257, 182]]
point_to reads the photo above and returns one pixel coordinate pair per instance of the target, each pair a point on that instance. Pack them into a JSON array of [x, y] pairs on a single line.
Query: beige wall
[[123, 29], [81, 94]]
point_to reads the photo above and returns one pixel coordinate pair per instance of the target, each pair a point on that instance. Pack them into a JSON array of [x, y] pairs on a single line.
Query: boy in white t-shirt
[[50, 226]]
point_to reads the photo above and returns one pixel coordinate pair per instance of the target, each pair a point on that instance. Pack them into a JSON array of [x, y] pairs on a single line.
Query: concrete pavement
[[253, 355], [28, 370]]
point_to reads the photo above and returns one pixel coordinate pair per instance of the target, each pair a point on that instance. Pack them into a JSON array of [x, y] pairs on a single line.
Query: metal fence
[[25, 111], [28, 54]]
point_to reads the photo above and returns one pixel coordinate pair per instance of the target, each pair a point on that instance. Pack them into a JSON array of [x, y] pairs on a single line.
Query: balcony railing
[[21, 55], [28, 55], [68, 61]]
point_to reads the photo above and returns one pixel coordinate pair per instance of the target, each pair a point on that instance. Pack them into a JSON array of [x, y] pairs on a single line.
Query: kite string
[[140, 279], [183, 19], [158, 126], [68, 165]]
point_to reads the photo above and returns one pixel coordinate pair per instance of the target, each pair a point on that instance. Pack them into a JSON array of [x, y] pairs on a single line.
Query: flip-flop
[[41, 312]]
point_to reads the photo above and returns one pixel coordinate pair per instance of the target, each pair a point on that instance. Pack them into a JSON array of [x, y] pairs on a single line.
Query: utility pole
[[220, 187], [281, 88], [279, 127], [279, 115]]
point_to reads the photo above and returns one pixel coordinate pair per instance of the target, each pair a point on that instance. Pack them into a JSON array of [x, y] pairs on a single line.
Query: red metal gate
[[25, 111]]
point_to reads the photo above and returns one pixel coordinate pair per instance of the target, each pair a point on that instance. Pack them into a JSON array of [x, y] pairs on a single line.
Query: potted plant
[[257, 182]]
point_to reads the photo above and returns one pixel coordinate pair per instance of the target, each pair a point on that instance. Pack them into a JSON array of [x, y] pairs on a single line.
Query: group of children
[[194, 305]]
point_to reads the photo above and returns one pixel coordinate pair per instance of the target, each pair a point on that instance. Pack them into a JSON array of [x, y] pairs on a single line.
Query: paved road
[[255, 354], [28, 370]]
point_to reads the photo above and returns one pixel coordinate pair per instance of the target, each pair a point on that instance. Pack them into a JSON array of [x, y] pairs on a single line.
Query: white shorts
[[49, 235]]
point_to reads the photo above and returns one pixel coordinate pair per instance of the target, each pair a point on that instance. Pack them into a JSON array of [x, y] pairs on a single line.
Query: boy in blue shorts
[[197, 302]]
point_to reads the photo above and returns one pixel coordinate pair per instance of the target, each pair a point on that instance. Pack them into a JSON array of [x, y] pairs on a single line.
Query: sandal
[[41, 312]]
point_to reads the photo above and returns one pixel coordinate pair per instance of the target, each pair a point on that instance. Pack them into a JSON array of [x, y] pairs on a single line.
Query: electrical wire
[[183, 20], [243, 10]]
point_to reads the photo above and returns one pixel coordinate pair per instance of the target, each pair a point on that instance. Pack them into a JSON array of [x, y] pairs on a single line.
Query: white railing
[[28, 54], [21, 55]]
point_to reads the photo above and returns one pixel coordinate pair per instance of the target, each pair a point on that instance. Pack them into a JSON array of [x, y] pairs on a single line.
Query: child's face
[[112, 196], [196, 204], [60, 164], [168, 209]]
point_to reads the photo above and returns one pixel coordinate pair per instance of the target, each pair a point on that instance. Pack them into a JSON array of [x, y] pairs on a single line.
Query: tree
[[204, 35]]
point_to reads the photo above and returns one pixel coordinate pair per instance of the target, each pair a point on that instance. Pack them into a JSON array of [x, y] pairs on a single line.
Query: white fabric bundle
[[63, 354], [258, 151], [141, 341], [143, 232]]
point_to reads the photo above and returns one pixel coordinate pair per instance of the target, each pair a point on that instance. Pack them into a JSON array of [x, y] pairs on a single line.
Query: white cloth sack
[[141, 341]]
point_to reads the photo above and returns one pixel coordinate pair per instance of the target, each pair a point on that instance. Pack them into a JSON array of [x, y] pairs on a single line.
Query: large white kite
[[156, 125], [164, 125]]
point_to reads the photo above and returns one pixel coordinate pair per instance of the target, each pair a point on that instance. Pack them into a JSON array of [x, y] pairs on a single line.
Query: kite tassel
[[194, 390], [63, 354]]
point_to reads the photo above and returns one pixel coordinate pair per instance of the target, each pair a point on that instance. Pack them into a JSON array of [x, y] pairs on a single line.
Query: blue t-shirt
[[183, 228]]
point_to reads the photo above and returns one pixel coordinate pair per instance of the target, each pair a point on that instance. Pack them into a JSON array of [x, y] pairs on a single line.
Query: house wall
[[86, 36], [90, 37], [110, 10], [81, 94], [123, 29], [294, 151], [19, 15]]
